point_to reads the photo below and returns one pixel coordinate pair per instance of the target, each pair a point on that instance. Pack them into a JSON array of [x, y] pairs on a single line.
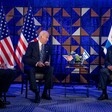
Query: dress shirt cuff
[[36, 64]]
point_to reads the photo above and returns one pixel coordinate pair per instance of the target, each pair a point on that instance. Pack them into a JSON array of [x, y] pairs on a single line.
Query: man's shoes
[[103, 97], [46, 96], [2, 105], [37, 97]]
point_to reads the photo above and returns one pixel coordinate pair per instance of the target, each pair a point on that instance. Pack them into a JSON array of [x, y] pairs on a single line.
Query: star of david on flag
[[85, 55]]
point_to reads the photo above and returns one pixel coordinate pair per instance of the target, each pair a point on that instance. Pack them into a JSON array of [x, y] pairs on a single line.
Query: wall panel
[[72, 25]]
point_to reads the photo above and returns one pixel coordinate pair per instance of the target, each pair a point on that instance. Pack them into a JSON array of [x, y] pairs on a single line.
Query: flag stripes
[[6, 45], [27, 35]]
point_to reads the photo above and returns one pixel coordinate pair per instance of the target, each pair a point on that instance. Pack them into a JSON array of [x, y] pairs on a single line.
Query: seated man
[[105, 74], [36, 59], [6, 78]]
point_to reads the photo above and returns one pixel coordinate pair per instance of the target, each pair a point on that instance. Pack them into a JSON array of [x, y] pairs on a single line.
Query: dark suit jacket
[[32, 55], [105, 73], [108, 58]]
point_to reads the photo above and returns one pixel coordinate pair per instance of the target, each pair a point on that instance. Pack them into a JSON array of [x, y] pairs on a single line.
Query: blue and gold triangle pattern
[[71, 29]]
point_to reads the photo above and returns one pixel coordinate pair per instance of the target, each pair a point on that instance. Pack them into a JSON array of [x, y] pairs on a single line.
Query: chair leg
[[22, 86], [5, 96], [49, 92], [26, 94], [39, 86]]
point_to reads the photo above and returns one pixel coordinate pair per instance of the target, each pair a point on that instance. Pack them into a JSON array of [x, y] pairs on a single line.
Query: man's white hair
[[43, 32]]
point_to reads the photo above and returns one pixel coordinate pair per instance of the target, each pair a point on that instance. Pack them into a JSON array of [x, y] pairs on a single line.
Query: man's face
[[44, 38]]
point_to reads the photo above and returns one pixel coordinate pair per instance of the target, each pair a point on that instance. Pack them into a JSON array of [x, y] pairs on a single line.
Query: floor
[[75, 100]]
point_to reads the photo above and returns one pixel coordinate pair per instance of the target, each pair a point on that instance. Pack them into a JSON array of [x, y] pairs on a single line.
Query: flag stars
[[29, 27]]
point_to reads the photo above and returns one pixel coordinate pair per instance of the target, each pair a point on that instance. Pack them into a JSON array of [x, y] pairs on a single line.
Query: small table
[[79, 69]]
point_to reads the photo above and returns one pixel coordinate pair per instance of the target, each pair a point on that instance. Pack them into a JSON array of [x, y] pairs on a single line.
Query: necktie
[[42, 53]]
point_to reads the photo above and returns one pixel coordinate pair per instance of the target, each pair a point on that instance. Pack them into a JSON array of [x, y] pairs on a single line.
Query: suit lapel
[[37, 47]]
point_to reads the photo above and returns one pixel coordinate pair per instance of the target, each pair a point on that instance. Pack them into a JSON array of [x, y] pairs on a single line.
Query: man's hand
[[47, 63], [40, 64], [110, 67]]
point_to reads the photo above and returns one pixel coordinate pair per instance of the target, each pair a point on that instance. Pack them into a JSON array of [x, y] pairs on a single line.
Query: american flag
[[27, 35], [6, 46]]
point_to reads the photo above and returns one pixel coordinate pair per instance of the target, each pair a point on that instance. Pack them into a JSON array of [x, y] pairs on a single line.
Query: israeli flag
[[109, 41], [85, 55]]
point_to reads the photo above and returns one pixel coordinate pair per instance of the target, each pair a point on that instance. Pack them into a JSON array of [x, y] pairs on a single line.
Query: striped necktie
[[42, 53]]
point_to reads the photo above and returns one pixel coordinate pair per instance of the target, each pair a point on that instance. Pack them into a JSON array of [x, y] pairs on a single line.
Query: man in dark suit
[[36, 59], [105, 73], [6, 78]]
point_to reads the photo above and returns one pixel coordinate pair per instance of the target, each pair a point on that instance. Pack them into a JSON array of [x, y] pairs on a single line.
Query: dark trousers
[[6, 78], [104, 78], [47, 70]]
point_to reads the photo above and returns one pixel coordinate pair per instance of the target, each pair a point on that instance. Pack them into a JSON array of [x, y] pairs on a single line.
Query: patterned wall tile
[[71, 29]]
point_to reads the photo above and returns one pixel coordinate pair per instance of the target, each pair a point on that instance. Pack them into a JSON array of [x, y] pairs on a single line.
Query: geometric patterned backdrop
[[71, 29]]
